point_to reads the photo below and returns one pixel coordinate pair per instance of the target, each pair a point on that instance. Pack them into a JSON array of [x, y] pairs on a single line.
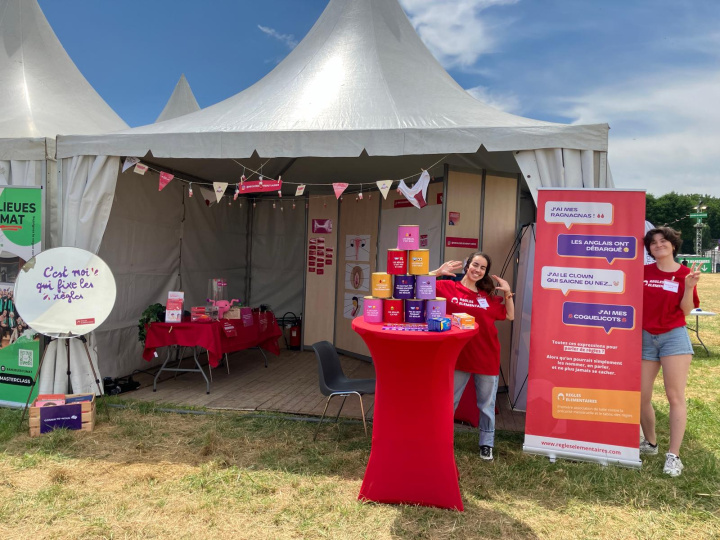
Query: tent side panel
[[141, 245], [357, 246], [498, 237], [319, 316], [464, 204], [277, 256], [214, 245]]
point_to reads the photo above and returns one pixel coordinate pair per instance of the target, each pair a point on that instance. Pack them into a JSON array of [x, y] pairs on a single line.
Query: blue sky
[[649, 68]]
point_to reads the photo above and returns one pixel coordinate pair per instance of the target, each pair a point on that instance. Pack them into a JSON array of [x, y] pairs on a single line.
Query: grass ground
[[147, 474]]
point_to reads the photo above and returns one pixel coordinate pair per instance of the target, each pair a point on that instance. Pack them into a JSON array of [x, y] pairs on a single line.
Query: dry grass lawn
[[148, 474]]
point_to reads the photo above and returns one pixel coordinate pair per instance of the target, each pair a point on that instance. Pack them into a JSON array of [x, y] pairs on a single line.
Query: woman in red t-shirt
[[669, 295], [476, 295]]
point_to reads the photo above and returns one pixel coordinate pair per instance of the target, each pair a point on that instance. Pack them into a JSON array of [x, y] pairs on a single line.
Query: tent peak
[[45, 92], [182, 101]]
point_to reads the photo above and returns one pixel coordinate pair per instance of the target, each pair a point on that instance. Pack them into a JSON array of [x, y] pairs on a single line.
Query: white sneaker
[[647, 448], [673, 465]]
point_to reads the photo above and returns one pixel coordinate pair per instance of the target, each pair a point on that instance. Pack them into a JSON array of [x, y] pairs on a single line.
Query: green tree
[[673, 209]]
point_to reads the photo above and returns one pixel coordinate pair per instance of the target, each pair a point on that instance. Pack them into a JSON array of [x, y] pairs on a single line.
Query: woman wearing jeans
[[669, 295], [476, 295]]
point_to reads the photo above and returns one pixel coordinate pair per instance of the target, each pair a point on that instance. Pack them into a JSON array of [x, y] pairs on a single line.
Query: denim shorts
[[674, 342]]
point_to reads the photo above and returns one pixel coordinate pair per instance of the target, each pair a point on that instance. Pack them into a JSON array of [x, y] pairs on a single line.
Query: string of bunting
[[416, 194]]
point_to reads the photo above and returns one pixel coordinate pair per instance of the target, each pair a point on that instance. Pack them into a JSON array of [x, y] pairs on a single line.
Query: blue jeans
[[486, 389]]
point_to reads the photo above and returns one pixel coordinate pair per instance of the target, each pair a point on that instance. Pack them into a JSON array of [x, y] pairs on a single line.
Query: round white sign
[[65, 292]]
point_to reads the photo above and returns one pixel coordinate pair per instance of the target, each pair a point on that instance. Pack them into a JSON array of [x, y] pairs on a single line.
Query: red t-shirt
[[482, 353], [661, 299]]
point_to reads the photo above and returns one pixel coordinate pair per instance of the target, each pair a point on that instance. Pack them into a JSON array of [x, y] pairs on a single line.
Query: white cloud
[[287, 39], [505, 102], [664, 130], [453, 30]]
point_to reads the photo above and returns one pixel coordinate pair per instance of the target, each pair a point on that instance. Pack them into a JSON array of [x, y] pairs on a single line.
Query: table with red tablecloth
[[412, 459], [214, 337]]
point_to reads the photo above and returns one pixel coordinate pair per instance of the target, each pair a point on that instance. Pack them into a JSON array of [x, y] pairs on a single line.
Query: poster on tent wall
[[20, 240], [585, 343]]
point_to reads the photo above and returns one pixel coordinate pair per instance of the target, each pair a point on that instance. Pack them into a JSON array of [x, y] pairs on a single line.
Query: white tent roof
[[42, 93], [360, 80], [181, 102]]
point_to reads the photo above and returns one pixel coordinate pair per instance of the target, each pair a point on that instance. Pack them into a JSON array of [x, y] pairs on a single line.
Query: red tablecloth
[[264, 332], [412, 459]]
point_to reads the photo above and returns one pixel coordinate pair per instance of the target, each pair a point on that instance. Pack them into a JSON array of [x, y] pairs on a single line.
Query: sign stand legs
[[92, 368]]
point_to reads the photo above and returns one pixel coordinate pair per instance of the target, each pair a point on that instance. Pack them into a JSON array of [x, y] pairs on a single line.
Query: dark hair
[[668, 233], [485, 283]]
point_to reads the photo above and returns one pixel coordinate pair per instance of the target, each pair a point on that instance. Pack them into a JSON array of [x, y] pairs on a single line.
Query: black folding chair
[[333, 381]]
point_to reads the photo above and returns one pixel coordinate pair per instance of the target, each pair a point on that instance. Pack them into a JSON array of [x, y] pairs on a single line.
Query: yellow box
[[463, 321], [88, 415]]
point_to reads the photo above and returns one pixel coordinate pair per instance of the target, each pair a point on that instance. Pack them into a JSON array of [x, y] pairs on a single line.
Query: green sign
[[20, 235], [18, 368], [700, 215], [20, 221], [705, 262]]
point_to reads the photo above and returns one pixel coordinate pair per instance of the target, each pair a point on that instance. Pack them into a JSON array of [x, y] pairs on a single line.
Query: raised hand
[[448, 268], [694, 276], [503, 286]]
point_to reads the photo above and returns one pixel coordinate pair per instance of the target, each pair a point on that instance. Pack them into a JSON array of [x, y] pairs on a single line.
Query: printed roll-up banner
[[586, 334], [20, 241]]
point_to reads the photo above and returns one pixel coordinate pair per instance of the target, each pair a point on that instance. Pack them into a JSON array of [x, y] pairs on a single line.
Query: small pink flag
[[164, 180], [339, 187]]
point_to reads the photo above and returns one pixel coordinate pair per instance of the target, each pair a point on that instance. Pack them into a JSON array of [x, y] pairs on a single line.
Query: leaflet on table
[[174, 307], [585, 345]]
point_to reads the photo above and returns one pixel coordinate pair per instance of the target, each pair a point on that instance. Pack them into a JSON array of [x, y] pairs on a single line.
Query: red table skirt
[[264, 333], [412, 459]]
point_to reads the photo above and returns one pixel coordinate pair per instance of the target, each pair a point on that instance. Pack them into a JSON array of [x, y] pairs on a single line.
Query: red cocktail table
[[412, 459]]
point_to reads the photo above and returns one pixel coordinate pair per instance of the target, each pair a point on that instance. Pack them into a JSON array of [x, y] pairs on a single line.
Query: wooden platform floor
[[289, 385]]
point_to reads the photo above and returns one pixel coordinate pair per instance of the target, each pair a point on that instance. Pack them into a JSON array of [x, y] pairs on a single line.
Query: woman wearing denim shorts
[[669, 294]]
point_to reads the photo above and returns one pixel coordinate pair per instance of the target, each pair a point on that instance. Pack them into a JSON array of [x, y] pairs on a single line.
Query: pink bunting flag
[[339, 187], [164, 180]]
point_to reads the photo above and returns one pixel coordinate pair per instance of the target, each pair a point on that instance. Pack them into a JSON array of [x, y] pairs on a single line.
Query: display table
[[412, 459], [263, 333], [697, 313]]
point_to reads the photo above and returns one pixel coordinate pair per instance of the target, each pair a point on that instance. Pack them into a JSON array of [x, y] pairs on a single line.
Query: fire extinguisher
[[292, 322]]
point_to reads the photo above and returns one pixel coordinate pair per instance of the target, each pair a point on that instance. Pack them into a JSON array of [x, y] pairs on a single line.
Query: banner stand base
[[553, 455]]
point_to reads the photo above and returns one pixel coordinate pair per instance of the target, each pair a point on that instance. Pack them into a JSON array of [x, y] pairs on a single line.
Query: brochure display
[[585, 347]]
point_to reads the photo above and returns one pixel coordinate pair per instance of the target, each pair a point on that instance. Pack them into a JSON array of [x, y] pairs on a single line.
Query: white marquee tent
[[181, 102], [360, 98], [42, 94]]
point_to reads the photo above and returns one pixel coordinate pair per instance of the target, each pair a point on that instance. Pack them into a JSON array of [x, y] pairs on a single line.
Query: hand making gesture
[[503, 286], [448, 268], [694, 276]]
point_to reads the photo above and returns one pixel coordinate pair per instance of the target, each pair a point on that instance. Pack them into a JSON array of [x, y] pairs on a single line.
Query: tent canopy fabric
[[42, 93], [361, 80], [181, 102]]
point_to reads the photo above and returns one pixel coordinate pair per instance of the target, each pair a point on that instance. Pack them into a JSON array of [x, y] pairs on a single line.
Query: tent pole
[[248, 251]]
